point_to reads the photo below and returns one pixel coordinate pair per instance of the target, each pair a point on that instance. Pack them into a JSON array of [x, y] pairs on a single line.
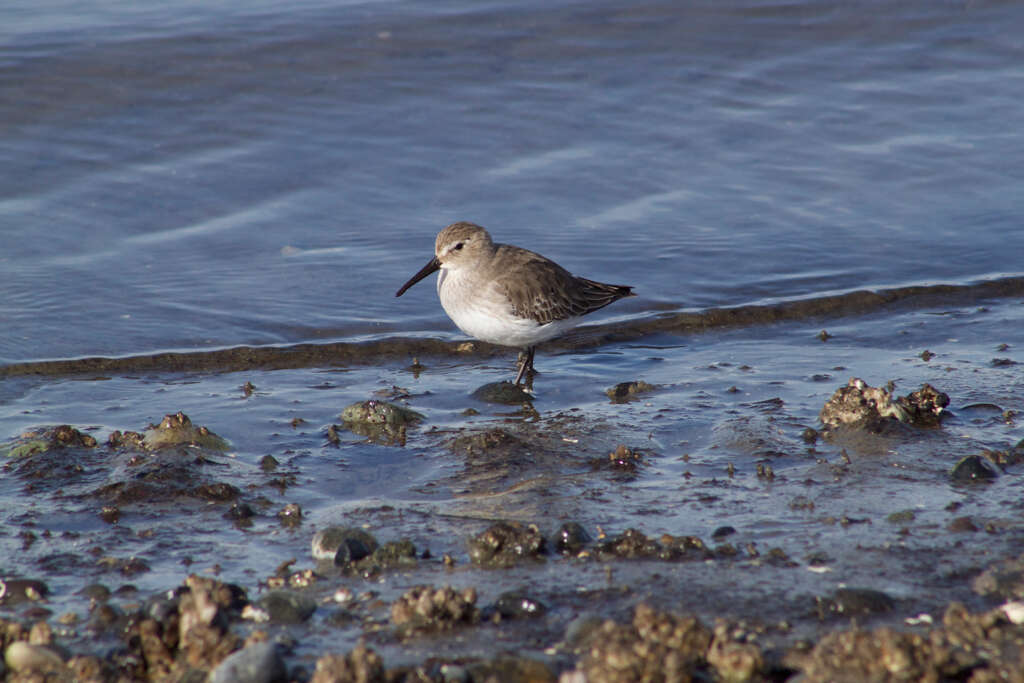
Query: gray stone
[[258, 663]]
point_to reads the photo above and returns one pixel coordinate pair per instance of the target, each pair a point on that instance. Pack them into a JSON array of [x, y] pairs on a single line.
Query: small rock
[[342, 544], [1004, 579], [973, 468], [861, 405], [379, 421], [240, 512], [378, 413], [429, 608], [45, 439], [505, 668], [963, 525], [734, 660], [288, 607], [623, 459], [350, 550], [505, 543], [654, 642], [23, 657], [901, 517], [19, 591], [361, 664], [110, 514], [627, 391], [177, 430], [125, 440], [571, 538], [290, 515], [502, 393], [258, 663], [391, 555], [861, 655], [855, 602], [513, 605]]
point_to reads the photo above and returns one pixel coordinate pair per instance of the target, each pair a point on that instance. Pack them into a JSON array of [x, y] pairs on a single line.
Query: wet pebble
[[342, 544], [290, 515], [973, 468], [257, 663], [429, 608], [454, 673], [378, 413], [632, 543], [110, 514], [391, 555], [734, 659], [379, 421], [860, 405], [503, 393], [505, 543], [240, 512], [901, 517], [855, 602], [493, 442], [350, 550], [96, 592], [571, 538], [177, 430], [288, 607], [24, 657], [515, 605], [626, 391], [580, 630], [622, 459], [1004, 579], [653, 642], [507, 669], [361, 664], [978, 648], [19, 591], [45, 439], [961, 525]]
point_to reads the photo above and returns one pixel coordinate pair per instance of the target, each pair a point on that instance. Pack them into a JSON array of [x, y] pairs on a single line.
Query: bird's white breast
[[480, 309]]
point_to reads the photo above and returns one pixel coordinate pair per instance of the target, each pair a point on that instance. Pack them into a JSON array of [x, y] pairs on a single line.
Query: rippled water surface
[[184, 175]]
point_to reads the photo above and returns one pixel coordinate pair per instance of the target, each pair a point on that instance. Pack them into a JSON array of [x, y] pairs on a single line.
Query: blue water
[[189, 175]]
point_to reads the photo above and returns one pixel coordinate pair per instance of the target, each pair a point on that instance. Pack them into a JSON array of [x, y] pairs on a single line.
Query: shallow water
[[193, 178], [181, 177]]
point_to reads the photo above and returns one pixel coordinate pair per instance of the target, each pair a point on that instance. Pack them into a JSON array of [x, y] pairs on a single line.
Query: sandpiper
[[506, 295]]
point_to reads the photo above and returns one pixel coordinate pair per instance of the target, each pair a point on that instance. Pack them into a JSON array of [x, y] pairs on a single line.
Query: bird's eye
[[458, 247]]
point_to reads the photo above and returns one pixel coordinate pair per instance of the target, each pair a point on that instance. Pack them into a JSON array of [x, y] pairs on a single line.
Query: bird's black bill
[[432, 267]]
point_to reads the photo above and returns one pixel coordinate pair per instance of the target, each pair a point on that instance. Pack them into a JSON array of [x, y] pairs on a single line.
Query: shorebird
[[507, 295]]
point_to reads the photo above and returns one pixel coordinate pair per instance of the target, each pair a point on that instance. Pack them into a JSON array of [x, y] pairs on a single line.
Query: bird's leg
[[526, 366]]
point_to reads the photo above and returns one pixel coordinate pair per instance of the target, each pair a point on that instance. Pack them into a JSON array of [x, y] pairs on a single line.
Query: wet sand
[[673, 504]]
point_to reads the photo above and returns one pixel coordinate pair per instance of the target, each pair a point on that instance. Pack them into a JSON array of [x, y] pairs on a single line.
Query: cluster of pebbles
[[209, 630]]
